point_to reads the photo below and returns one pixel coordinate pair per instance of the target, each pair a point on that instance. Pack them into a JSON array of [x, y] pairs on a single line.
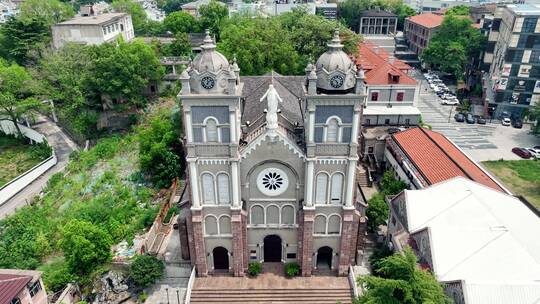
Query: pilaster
[[307, 242], [198, 242], [238, 242], [349, 235]]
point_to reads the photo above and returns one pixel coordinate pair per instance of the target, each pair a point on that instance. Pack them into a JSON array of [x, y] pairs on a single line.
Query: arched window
[[257, 215], [321, 188], [320, 224], [223, 188], [225, 225], [287, 215], [209, 196], [211, 130], [334, 224], [272, 215], [333, 130], [336, 189], [210, 225]]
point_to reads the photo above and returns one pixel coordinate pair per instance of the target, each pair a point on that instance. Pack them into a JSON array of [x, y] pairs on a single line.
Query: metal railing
[[352, 281], [191, 281]]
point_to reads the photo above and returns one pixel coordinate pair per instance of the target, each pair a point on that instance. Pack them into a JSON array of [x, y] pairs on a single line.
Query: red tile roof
[[428, 20], [377, 66], [438, 159], [11, 285]]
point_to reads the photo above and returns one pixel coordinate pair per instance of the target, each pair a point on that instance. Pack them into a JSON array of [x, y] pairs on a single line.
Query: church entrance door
[[221, 258], [272, 248], [324, 258]]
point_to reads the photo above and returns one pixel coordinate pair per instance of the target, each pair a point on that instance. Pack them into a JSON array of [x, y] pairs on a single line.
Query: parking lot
[[491, 141]]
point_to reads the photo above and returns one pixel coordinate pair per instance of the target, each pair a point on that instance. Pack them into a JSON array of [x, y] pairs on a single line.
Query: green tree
[[85, 246], [122, 71], [146, 269], [50, 11], [135, 9], [212, 15], [181, 46], [56, 275], [390, 185], [460, 10], [376, 212], [534, 114], [180, 22], [351, 10], [152, 28], [169, 6], [16, 98], [400, 281], [160, 149], [24, 39]]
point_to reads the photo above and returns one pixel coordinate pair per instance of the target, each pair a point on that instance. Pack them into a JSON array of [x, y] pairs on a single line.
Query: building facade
[[419, 30], [93, 30], [513, 56], [378, 22], [21, 287], [272, 164]]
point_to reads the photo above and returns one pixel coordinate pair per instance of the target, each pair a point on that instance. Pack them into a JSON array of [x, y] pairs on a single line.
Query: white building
[[93, 30], [8, 9], [481, 243]]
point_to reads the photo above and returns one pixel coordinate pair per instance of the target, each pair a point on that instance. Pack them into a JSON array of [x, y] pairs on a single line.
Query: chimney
[[391, 59]]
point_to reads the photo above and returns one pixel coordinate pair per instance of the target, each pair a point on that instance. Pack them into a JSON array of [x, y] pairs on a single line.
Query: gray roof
[[377, 13], [93, 20], [290, 89]]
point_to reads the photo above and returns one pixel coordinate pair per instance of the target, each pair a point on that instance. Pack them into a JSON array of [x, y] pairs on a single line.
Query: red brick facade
[[305, 247], [349, 233], [238, 243]]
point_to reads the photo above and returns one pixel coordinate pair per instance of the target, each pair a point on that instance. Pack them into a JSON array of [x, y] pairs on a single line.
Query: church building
[[271, 164]]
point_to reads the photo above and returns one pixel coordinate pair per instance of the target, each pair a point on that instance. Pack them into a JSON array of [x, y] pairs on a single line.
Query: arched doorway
[[221, 258], [324, 258], [272, 248]]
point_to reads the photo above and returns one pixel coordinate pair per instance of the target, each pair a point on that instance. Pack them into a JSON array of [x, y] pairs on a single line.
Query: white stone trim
[[213, 161], [264, 136], [331, 161]]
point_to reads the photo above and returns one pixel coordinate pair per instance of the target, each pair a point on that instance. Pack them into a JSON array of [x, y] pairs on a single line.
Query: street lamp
[[450, 115]]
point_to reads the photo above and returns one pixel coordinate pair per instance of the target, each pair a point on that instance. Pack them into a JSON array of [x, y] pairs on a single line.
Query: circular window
[[272, 181]]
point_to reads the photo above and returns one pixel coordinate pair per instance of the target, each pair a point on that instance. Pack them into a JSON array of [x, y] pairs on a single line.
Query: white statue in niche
[[272, 97]]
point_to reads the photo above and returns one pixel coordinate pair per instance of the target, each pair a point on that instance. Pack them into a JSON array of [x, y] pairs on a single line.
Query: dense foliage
[[254, 268], [351, 10], [146, 269], [292, 269], [400, 281], [459, 10], [180, 22], [377, 211], [135, 9], [212, 16], [453, 45]]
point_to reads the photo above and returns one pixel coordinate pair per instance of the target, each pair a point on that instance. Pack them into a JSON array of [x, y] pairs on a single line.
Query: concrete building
[[272, 164], [478, 242], [419, 29], [93, 30], [512, 84], [193, 7], [378, 22], [8, 9], [392, 93], [426, 6], [21, 287], [421, 158]]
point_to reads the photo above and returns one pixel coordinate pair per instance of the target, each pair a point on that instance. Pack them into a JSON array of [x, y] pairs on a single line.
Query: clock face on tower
[[208, 82], [336, 81]]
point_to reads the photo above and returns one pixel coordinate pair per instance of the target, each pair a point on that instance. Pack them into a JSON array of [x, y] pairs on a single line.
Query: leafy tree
[[22, 38], [50, 11], [85, 246], [135, 9], [180, 22], [212, 15], [460, 10], [181, 46], [350, 11], [56, 275], [454, 43], [534, 114], [16, 99], [169, 6], [400, 281], [122, 71], [377, 212], [160, 149], [152, 28], [390, 185], [146, 269]]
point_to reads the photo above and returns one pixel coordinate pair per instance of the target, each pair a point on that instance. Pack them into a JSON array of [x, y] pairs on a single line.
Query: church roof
[[290, 89]]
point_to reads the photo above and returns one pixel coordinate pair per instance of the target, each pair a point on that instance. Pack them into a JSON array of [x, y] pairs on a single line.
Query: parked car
[[504, 114], [448, 96], [517, 123], [536, 147], [469, 118], [506, 121], [480, 120], [534, 153], [459, 117], [453, 101], [522, 152]]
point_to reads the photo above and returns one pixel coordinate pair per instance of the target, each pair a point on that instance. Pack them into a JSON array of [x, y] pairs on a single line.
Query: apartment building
[[419, 30]]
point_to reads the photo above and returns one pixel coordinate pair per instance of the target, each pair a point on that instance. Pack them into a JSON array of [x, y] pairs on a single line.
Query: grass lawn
[[16, 157], [522, 177]]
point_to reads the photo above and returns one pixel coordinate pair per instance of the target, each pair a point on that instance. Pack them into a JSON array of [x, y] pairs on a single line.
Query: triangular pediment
[[278, 135]]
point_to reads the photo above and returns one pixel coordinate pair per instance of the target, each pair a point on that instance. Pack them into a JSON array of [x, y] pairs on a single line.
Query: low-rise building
[[419, 30], [392, 93], [421, 158], [93, 30], [21, 287], [478, 242], [378, 22], [192, 8], [8, 9]]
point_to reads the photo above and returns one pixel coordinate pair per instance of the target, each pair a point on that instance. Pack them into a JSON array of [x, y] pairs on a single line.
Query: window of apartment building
[[529, 24], [122, 27], [374, 96], [104, 31], [535, 56], [399, 96], [496, 25], [34, 288], [15, 301], [387, 121], [514, 55]]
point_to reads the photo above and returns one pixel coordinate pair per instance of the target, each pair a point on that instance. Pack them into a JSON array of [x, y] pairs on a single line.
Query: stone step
[[273, 301], [255, 296], [205, 291]]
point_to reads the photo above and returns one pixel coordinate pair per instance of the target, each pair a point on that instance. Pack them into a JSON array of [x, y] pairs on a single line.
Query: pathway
[[63, 146]]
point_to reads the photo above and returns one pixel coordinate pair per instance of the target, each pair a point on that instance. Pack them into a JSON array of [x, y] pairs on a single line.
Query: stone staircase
[[274, 296], [362, 176]]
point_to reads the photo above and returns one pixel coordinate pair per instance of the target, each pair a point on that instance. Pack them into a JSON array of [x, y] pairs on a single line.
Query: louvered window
[[336, 188], [223, 189], [208, 189], [321, 188]]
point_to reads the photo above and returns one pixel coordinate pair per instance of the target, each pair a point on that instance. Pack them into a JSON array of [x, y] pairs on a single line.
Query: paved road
[[62, 145], [482, 142]]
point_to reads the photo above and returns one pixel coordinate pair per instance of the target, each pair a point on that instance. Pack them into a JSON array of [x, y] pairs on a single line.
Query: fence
[[20, 182]]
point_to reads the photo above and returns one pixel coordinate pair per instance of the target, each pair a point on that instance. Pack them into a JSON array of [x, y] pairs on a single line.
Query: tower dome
[[209, 60], [335, 70]]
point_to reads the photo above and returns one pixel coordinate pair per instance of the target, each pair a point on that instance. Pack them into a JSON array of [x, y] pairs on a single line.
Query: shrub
[[292, 269], [254, 268], [56, 275], [170, 212], [41, 150], [146, 269], [377, 211]]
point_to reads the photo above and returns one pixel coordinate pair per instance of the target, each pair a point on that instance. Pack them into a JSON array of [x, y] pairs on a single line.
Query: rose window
[[272, 181]]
